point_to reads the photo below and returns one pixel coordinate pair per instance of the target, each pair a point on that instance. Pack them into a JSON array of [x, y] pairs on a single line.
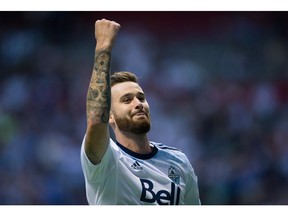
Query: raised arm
[[99, 92]]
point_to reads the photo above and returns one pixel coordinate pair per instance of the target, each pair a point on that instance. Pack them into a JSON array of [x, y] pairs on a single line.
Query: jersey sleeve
[[192, 192], [96, 173]]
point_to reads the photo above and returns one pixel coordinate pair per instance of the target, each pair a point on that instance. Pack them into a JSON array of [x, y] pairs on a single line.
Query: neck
[[138, 143]]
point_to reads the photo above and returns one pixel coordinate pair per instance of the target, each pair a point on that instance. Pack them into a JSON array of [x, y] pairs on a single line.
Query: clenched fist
[[105, 33]]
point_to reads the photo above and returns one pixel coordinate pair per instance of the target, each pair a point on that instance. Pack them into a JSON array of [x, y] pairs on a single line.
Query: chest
[[153, 181]]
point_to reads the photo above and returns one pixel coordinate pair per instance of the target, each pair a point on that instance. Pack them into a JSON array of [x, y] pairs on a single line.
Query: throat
[[140, 149], [135, 143]]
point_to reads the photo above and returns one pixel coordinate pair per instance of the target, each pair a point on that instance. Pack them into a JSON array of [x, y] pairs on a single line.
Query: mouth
[[140, 114]]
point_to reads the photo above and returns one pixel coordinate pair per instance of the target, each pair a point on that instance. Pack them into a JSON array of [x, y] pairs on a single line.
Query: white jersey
[[163, 177]]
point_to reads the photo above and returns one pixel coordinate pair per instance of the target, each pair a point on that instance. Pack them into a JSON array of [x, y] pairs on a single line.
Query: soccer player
[[130, 170]]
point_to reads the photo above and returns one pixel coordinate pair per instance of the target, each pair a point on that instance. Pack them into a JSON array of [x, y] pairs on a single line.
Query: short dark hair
[[122, 76]]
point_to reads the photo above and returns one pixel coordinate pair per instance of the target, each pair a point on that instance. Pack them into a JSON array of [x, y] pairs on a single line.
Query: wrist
[[104, 46]]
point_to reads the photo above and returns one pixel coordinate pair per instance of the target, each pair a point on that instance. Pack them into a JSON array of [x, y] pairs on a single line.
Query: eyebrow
[[125, 95], [131, 94]]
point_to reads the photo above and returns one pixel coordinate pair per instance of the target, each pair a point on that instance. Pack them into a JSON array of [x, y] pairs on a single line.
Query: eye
[[126, 100], [141, 97]]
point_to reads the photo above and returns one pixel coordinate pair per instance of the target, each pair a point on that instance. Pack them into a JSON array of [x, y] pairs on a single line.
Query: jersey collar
[[137, 155]]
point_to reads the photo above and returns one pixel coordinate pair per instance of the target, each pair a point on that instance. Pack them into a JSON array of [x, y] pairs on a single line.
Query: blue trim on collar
[[137, 155]]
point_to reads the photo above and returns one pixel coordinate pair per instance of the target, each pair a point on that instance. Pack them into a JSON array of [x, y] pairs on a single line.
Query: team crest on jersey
[[136, 166], [173, 175]]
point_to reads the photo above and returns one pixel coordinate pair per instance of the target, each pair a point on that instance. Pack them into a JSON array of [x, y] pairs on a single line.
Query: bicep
[[96, 142]]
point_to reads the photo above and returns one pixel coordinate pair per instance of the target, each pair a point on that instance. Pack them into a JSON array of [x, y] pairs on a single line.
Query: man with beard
[[130, 170]]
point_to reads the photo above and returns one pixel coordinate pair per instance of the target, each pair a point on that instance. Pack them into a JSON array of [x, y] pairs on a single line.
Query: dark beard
[[139, 127]]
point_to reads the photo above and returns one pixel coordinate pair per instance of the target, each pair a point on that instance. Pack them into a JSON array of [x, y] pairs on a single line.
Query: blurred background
[[216, 82]]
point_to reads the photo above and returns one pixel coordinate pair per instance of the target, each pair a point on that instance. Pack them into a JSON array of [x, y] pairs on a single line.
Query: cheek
[[120, 111], [146, 107]]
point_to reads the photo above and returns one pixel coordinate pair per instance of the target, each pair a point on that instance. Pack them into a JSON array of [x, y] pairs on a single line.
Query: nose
[[138, 104]]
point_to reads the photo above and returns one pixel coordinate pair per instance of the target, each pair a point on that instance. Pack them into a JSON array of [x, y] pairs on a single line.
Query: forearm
[[98, 101], [99, 91]]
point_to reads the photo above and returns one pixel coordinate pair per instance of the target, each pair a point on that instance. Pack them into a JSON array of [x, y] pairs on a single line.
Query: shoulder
[[170, 151], [173, 155], [165, 147]]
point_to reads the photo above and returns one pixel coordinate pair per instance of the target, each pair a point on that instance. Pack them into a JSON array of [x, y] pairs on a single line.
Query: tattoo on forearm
[[99, 92]]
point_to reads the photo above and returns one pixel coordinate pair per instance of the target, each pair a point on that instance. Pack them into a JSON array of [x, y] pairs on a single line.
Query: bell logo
[[162, 197]]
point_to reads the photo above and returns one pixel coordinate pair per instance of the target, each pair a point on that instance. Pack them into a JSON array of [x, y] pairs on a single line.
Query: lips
[[140, 114]]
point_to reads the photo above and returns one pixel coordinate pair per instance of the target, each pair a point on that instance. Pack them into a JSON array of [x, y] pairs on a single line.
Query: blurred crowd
[[216, 83]]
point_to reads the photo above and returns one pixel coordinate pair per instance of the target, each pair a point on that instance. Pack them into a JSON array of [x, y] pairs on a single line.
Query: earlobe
[[111, 118]]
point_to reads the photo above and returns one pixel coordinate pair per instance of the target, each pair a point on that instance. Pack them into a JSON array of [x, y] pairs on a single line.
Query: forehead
[[123, 88]]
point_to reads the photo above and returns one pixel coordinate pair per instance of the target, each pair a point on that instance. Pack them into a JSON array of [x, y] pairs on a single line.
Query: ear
[[111, 118]]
